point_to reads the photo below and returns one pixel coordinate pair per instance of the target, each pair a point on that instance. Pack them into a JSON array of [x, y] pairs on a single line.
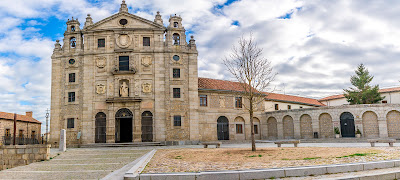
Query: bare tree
[[253, 72]]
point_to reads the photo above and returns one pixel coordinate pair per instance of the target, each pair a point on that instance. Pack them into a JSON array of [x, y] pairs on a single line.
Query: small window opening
[[71, 77], [101, 43], [73, 42], [72, 28], [70, 123], [238, 102], [239, 129], [176, 24], [177, 120], [176, 39], [177, 92], [71, 96], [255, 129], [289, 107], [203, 100], [384, 102], [276, 106], [146, 41], [176, 73]]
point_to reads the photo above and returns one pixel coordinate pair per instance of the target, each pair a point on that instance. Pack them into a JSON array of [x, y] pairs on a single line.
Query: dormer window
[[176, 39], [72, 28], [72, 42], [176, 24]]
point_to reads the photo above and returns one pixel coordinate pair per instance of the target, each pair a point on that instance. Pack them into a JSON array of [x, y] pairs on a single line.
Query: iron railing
[[9, 140]]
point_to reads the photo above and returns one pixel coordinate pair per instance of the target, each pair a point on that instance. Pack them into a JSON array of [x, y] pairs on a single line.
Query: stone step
[[140, 144]]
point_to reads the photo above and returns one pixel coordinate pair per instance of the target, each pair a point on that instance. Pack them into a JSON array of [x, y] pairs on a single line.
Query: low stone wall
[[17, 155]]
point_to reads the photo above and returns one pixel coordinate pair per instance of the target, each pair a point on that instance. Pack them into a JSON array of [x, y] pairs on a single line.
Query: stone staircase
[[135, 144]]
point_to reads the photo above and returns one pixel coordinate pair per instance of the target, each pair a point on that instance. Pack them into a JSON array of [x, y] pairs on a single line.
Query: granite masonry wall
[[17, 155]]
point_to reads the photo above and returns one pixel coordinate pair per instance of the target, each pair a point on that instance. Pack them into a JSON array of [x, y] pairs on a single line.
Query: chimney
[[29, 113]]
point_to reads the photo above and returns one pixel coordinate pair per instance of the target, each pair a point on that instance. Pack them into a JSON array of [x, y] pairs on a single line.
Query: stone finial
[[124, 7], [89, 21], [57, 46], [158, 18], [192, 42]]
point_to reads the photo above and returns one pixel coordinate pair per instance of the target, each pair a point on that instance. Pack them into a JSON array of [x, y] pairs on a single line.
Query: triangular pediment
[[133, 21]]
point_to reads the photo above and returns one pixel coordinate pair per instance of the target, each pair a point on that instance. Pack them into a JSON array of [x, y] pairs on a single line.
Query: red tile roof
[[215, 84], [10, 116], [339, 96], [292, 99]]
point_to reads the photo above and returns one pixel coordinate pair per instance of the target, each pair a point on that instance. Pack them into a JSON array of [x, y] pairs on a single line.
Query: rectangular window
[[203, 100], [177, 92], [255, 129], [289, 107], [384, 102], [239, 129], [71, 97], [301, 107], [276, 106], [146, 41], [101, 43], [21, 133], [176, 73], [70, 123], [33, 135], [8, 133], [238, 102], [124, 63], [177, 120], [71, 77]]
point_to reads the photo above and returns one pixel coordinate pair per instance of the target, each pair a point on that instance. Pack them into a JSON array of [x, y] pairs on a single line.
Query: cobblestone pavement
[[76, 163]]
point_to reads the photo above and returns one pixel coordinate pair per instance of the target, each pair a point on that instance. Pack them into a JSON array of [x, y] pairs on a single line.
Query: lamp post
[[47, 124]]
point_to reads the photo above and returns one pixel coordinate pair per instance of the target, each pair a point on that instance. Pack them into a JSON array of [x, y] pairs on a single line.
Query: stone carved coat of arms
[[146, 61], [101, 62], [146, 88], [100, 89]]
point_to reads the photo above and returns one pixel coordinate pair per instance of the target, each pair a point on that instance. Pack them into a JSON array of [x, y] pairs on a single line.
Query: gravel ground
[[76, 163]]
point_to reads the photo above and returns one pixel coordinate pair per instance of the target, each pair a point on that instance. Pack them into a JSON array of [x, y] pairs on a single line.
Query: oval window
[[176, 58], [71, 61], [123, 21]]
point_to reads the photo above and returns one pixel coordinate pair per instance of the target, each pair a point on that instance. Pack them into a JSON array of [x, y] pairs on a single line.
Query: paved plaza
[[97, 163]]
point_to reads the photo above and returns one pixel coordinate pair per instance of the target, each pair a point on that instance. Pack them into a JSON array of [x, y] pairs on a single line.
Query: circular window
[[176, 58], [123, 22], [71, 61]]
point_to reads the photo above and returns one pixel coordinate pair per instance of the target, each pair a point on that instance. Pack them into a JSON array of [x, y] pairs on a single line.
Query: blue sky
[[313, 45]]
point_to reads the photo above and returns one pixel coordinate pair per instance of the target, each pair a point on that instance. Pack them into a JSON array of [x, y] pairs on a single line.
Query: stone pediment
[[133, 22]]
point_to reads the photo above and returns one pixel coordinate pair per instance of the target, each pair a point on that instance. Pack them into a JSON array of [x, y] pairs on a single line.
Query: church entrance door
[[123, 125], [100, 124], [147, 126], [347, 125], [223, 128]]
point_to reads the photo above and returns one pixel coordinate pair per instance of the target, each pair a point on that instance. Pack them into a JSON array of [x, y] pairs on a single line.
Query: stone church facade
[[129, 79]]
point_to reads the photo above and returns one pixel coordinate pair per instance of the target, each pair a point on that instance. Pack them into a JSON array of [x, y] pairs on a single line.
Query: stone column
[[63, 141], [137, 128]]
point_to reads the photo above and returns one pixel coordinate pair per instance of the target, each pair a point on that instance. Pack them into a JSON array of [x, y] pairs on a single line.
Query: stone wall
[[373, 121], [12, 156]]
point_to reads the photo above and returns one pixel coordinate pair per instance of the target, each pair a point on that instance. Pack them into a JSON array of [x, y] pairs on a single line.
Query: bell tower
[[175, 32], [73, 36]]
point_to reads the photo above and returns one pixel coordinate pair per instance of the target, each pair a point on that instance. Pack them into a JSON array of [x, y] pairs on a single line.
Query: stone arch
[[257, 128], [370, 124], [272, 128], [288, 127], [393, 123], [123, 125], [306, 131], [325, 126], [240, 127], [176, 39], [347, 128], [223, 128]]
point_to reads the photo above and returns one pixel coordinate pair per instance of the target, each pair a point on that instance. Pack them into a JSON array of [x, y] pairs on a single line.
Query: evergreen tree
[[362, 92]]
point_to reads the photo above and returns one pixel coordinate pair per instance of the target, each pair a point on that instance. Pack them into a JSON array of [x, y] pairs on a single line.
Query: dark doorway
[[223, 128], [100, 131], [147, 126], [123, 124], [347, 125]]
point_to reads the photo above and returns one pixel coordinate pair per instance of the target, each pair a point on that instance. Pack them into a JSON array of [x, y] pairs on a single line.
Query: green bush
[[336, 129]]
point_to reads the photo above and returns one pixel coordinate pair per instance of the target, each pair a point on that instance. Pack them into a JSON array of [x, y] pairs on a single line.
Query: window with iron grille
[[203, 100], [255, 129], [21, 133], [70, 122], [177, 92], [124, 63], [33, 135], [177, 120], [238, 102], [71, 77], [146, 41], [176, 73], [8, 133], [239, 128], [101, 43], [71, 97]]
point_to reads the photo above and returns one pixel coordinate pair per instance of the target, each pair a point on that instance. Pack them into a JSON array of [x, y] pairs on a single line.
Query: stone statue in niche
[[100, 89], [124, 90]]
